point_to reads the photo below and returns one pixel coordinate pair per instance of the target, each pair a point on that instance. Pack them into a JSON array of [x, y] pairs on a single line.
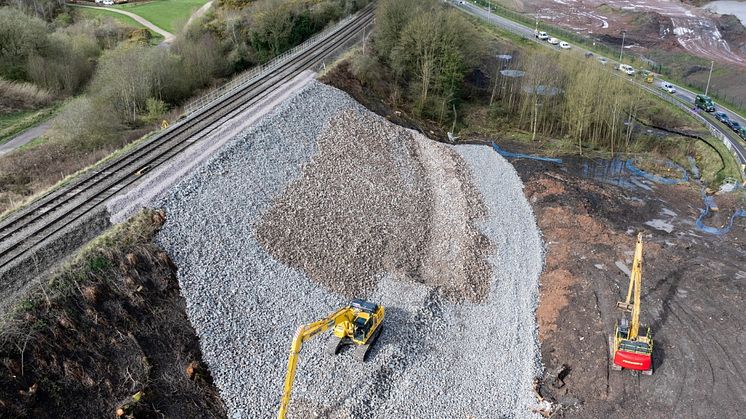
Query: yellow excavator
[[630, 349], [358, 324]]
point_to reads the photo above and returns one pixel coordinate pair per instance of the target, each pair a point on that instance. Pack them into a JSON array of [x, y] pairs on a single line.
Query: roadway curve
[[682, 93], [139, 19]]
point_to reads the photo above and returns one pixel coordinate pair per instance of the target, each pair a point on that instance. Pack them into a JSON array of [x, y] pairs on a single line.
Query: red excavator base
[[633, 361]]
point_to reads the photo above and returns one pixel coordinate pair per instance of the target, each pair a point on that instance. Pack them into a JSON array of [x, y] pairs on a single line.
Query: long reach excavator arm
[[630, 349], [358, 324]]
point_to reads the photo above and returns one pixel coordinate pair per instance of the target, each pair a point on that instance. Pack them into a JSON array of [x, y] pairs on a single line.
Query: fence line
[[241, 80], [712, 128]]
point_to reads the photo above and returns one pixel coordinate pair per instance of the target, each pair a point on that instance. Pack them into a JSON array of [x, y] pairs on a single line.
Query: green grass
[[124, 20], [170, 15], [13, 123]]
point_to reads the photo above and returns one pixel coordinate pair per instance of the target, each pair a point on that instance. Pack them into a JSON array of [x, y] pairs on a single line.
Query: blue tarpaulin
[[659, 179], [508, 154]]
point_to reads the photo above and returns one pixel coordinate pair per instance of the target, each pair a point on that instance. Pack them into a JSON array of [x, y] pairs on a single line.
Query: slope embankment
[[323, 201]]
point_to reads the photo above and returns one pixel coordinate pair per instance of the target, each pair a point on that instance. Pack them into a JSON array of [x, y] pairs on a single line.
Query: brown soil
[[108, 329], [692, 291]]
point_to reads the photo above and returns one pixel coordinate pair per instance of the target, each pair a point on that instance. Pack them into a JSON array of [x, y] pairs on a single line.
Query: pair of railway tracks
[[27, 229]]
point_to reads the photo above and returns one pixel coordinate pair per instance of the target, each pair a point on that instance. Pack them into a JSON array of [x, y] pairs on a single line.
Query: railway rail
[[30, 227]]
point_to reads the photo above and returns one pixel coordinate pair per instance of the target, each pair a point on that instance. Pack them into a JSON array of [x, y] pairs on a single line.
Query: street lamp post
[[621, 50], [707, 89]]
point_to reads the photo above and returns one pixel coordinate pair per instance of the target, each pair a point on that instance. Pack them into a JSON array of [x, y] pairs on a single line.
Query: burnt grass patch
[[107, 336]]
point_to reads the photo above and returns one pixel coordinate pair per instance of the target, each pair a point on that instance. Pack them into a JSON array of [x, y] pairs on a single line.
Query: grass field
[[170, 15], [125, 20], [13, 123]]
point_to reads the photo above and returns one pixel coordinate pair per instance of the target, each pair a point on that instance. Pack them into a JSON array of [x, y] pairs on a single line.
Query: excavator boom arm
[[304, 333], [637, 279]]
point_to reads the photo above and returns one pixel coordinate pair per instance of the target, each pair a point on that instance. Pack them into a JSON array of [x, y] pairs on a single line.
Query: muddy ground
[[693, 295], [693, 283], [107, 336]]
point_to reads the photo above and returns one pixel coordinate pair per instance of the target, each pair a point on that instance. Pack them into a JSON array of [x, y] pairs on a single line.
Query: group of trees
[[429, 48], [46, 10], [59, 57], [255, 31], [562, 96]]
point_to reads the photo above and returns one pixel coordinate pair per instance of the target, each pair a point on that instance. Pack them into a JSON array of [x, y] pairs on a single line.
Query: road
[[682, 93], [139, 19], [24, 137]]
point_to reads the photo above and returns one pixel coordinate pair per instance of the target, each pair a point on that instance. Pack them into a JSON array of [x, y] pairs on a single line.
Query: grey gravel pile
[[366, 204], [323, 201]]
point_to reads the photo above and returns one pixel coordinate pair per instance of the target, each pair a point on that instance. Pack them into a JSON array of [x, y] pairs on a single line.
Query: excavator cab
[[361, 330], [634, 354]]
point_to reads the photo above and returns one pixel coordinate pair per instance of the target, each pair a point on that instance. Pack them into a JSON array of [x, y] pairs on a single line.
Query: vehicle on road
[[705, 103], [722, 117], [627, 69], [553, 41], [735, 126], [668, 87], [603, 60], [541, 35], [742, 133], [564, 45]]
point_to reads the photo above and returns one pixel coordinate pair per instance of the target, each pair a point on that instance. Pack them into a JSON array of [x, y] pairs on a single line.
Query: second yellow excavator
[[358, 324]]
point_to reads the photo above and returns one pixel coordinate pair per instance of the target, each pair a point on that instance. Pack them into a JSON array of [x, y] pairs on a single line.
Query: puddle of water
[[661, 225]]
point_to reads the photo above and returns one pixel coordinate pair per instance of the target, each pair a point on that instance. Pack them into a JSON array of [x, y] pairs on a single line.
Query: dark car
[[742, 133], [722, 117], [735, 126]]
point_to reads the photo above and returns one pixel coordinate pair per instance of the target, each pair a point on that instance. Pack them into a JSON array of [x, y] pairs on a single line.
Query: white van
[[668, 87], [627, 69]]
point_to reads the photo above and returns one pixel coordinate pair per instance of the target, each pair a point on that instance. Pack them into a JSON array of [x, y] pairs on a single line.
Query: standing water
[[729, 7]]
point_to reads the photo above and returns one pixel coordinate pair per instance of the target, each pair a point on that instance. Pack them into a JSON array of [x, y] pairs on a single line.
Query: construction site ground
[[693, 294], [693, 282]]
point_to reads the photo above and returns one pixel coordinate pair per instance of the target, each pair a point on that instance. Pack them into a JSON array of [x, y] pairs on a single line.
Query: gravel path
[[323, 201]]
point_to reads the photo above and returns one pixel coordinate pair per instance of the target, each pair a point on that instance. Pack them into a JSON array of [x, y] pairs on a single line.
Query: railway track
[[30, 227]]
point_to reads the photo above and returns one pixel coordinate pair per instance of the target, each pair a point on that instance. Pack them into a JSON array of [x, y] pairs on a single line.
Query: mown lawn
[[170, 15], [125, 20]]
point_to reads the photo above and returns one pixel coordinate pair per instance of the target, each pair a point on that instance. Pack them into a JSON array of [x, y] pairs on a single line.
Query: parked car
[[735, 126], [541, 35], [627, 69], [603, 60], [108, 2], [553, 41], [722, 117], [668, 87], [564, 45]]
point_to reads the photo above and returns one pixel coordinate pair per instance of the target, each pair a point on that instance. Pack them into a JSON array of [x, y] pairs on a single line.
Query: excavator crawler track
[[361, 351]]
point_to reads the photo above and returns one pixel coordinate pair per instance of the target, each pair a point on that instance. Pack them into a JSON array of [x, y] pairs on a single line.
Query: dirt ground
[[693, 285], [692, 296], [108, 332]]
